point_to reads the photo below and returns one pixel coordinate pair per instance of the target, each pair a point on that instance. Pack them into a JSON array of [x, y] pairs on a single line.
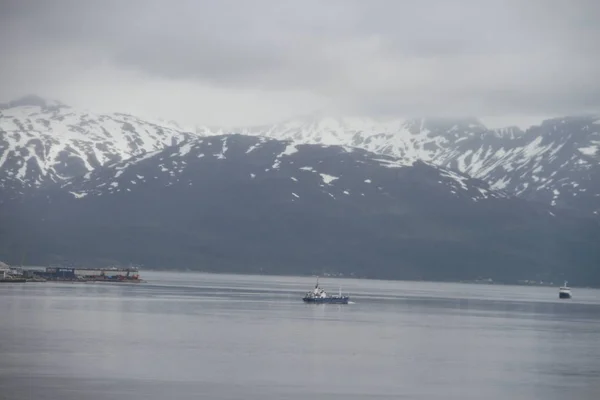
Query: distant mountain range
[[557, 162], [341, 196]]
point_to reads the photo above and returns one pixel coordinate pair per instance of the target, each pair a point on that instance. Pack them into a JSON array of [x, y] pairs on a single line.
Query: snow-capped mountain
[[336, 172], [43, 141], [557, 162], [251, 204]]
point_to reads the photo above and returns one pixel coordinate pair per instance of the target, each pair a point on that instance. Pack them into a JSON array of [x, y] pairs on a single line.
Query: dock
[[72, 274]]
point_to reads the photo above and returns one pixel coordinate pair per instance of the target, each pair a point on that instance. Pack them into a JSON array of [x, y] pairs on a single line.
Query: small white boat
[[564, 292]]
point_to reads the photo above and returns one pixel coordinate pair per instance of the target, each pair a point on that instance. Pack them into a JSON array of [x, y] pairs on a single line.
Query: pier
[[71, 274]]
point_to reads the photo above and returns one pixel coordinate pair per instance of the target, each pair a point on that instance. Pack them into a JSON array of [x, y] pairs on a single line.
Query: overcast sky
[[237, 62]]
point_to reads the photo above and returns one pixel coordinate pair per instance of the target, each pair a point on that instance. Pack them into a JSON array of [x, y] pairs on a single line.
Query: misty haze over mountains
[[424, 198]]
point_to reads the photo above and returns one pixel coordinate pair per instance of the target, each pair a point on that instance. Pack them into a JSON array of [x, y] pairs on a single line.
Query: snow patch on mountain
[[328, 178], [592, 150], [224, 148], [288, 151], [78, 195]]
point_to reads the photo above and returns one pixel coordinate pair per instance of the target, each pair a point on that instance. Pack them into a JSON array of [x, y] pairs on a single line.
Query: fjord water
[[190, 336]]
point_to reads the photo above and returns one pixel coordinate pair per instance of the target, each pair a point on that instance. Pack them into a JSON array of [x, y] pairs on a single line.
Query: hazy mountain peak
[[33, 100]]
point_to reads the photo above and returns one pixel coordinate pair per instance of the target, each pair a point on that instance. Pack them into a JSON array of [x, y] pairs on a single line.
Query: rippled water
[[190, 336]]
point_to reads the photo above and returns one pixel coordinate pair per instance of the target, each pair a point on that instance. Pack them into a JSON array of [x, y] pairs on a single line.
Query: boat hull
[[327, 300], [563, 295]]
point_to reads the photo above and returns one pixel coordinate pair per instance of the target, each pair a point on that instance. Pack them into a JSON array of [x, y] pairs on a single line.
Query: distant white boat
[[564, 292]]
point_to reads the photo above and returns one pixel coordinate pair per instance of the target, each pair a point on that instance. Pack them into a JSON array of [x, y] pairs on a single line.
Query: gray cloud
[[403, 58]]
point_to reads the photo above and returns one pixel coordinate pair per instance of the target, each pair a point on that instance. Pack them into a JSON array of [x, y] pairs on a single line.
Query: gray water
[[192, 336]]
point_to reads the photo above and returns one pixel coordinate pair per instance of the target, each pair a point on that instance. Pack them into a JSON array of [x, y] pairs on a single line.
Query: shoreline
[[484, 281]]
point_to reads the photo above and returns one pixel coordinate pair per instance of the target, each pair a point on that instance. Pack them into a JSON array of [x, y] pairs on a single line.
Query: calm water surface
[[191, 336]]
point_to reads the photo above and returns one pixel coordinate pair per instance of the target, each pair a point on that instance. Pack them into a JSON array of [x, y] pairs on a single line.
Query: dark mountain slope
[[248, 204]]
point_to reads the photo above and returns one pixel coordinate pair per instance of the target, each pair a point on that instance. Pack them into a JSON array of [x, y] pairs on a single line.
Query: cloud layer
[[237, 61]]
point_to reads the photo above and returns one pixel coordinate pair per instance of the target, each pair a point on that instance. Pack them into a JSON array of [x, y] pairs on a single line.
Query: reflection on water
[[185, 336]]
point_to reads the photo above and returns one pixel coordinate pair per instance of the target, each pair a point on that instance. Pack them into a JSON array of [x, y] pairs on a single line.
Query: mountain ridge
[[556, 162], [238, 203]]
